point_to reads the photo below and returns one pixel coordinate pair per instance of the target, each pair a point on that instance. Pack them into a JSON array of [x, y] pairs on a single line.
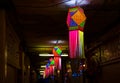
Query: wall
[[18, 63], [110, 73], [12, 62], [11, 75], [106, 53], [13, 43]]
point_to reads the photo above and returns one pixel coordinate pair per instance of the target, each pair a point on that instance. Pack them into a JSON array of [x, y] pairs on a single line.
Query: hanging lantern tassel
[[57, 62]]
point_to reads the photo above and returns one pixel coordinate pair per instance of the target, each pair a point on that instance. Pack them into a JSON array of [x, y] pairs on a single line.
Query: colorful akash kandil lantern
[[75, 22], [49, 70], [57, 56]]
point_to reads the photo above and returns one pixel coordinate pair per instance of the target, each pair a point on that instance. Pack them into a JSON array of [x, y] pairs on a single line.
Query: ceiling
[[42, 23]]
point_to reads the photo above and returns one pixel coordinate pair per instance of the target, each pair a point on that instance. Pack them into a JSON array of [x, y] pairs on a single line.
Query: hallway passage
[[59, 41]]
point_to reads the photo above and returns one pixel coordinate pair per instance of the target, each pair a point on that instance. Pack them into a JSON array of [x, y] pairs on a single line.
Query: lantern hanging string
[[77, 3]]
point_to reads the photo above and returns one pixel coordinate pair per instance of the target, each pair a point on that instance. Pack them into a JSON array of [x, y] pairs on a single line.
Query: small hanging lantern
[[57, 56]]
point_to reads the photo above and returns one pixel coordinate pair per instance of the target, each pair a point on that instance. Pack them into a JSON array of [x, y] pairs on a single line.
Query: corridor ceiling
[[42, 23]]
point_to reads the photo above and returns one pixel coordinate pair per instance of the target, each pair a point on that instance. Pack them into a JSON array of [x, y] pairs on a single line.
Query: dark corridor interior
[[30, 29]]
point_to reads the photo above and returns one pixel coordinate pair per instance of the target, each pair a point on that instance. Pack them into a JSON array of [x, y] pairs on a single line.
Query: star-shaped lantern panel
[[76, 18]]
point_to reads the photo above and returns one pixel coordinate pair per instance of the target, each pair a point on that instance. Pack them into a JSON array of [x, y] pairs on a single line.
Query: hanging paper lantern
[[75, 21], [49, 70], [57, 56], [76, 18], [51, 67]]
